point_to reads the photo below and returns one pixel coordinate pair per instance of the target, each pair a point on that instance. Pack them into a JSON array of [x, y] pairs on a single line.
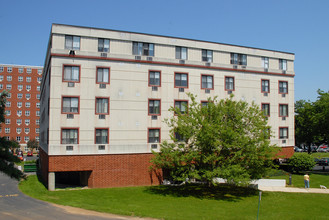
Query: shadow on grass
[[200, 191]]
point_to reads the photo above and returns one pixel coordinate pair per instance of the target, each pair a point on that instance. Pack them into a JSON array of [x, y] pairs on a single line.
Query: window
[[70, 105], [37, 138], [145, 49], [7, 121], [38, 88], [207, 82], [265, 62], [39, 71], [7, 112], [238, 59], [102, 106], [154, 78], [37, 130], [9, 78], [1, 69], [154, 107], [103, 45], [265, 86], [179, 137], [18, 121], [102, 136], [283, 87], [19, 95], [37, 121], [154, 135], [20, 70], [1, 86], [103, 75], [9, 95], [38, 96], [19, 112], [71, 74], [72, 42], [27, 96], [229, 83], [282, 64], [266, 109], [207, 55], [28, 87], [1, 77], [28, 79], [27, 113], [26, 138], [9, 69], [181, 80], [283, 133], [182, 106], [27, 104], [7, 130], [181, 53], [20, 79], [20, 87], [29, 70], [69, 136], [8, 104], [27, 121], [18, 138], [8, 86], [18, 130], [27, 130], [39, 79], [38, 104], [283, 110]]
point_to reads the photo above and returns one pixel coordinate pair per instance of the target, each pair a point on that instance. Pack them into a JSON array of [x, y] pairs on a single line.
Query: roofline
[[157, 35], [19, 65]]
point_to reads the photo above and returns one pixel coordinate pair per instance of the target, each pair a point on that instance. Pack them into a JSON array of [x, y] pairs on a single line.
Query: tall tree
[[33, 144], [225, 138], [7, 159]]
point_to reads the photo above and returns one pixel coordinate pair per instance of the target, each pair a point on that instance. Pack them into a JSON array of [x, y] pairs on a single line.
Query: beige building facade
[[105, 93]]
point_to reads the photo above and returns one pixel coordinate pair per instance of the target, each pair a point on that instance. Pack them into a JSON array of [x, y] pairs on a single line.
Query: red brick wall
[[109, 170], [286, 152]]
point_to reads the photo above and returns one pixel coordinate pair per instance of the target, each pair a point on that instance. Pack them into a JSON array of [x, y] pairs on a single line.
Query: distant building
[[23, 105], [105, 94]]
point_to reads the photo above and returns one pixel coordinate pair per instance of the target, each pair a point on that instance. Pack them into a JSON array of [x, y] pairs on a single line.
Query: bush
[[301, 162]]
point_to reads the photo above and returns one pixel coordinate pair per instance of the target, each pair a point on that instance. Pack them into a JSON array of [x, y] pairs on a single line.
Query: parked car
[[317, 160], [30, 154], [20, 157], [324, 161], [297, 149], [323, 149]]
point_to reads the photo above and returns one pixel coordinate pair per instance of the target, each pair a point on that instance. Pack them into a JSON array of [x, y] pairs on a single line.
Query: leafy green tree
[[301, 162], [225, 138], [33, 144], [14, 144], [7, 159]]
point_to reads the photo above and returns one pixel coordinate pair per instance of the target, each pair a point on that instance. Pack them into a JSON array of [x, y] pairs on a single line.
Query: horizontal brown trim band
[[169, 64]]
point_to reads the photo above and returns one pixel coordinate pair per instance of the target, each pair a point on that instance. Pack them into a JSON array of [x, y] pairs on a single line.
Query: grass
[[298, 179], [185, 202], [317, 154]]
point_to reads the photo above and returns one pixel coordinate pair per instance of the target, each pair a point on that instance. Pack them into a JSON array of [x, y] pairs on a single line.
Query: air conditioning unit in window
[[207, 91], [154, 88], [103, 54], [149, 58], [235, 66], [102, 86], [283, 95], [70, 84], [154, 117], [138, 57], [72, 53], [284, 71], [284, 141], [283, 118], [229, 92], [244, 66], [207, 64], [265, 70], [101, 116], [181, 89], [265, 94], [101, 147], [69, 116], [69, 148], [154, 146], [182, 61]]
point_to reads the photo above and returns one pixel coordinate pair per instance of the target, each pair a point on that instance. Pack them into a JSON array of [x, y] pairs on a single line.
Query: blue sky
[[300, 27]]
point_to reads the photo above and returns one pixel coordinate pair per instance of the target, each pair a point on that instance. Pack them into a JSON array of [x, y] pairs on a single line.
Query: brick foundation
[[286, 152], [107, 170]]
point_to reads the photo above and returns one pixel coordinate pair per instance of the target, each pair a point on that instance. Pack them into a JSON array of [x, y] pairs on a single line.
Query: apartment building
[[22, 114], [105, 94]]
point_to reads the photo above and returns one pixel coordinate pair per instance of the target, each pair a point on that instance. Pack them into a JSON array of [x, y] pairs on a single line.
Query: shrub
[[301, 162]]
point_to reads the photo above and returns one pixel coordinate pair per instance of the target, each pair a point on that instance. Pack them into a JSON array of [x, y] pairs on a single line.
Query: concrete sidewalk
[[294, 190]]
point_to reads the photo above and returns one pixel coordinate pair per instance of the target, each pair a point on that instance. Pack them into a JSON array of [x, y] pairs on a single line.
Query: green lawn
[[316, 154], [186, 202], [298, 180]]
